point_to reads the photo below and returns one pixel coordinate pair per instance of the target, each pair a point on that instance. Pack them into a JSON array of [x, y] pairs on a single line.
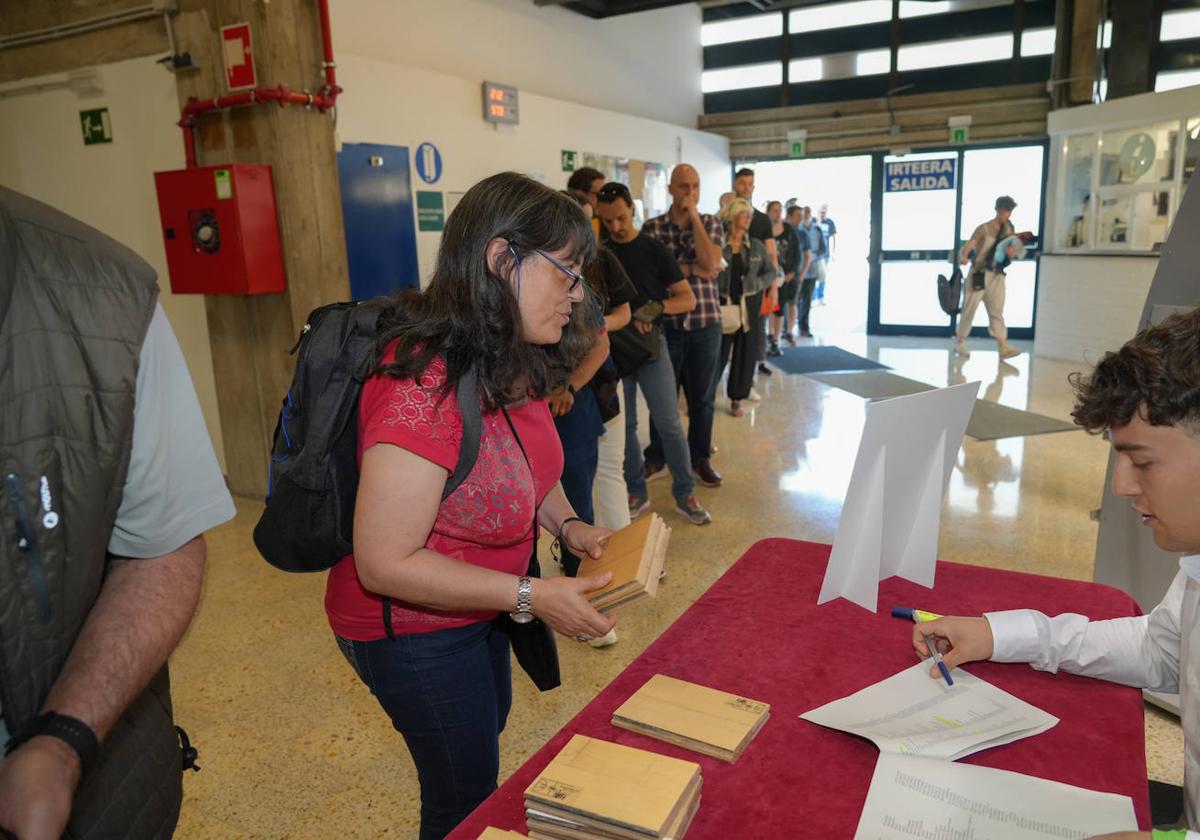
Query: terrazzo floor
[[292, 745]]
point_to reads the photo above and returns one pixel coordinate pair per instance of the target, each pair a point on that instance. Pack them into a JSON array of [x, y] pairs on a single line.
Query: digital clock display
[[500, 104]]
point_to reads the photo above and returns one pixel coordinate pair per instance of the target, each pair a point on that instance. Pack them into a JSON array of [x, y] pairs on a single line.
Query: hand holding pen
[[951, 641]]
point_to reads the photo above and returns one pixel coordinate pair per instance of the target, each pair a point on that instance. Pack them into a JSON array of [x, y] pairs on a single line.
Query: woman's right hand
[[561, 602]]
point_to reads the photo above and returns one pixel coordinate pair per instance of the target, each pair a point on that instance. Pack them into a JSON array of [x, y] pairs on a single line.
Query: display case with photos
[[1117, 188]]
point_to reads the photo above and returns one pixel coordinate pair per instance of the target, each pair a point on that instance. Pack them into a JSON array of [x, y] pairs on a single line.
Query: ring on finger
[[584, 637]]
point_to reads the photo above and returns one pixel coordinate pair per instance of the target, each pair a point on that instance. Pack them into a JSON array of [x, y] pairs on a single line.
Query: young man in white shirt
[[1146, 398]]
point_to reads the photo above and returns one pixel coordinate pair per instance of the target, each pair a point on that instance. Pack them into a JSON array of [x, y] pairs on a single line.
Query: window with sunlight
[[955, 52], [739, 78], [1037, 42], [859, 12], [872, 62], [1175, 79], [1177, 26], [805, 70], [741, 29]]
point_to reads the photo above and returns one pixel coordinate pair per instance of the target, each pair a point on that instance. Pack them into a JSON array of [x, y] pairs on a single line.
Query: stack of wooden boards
[[635, 556], [598, 789], [703, 719]]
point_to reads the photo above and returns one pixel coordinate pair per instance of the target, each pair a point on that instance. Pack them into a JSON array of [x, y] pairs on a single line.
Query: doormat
[[823, 358], [989, 420]]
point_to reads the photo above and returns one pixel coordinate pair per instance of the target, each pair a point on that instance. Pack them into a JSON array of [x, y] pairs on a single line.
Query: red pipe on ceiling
[[323, 101]]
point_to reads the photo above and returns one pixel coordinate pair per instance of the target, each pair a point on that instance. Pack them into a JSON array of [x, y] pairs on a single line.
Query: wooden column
[[1085, 25], [251, 335]]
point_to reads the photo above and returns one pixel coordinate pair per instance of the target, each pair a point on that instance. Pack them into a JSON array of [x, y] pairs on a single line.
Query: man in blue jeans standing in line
[[694, 338], [662, 291]]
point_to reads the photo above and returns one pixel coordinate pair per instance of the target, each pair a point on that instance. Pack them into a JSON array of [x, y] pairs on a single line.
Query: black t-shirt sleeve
[[797, 251], [760, 226], [620, 288], [668, 269]]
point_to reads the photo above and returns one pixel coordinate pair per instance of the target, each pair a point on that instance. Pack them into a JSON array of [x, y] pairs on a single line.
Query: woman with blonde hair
[[747, 275]]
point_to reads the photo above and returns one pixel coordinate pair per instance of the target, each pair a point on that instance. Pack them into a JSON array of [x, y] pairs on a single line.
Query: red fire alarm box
[[220, 230]]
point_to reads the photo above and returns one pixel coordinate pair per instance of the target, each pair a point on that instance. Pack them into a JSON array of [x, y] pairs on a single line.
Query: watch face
[[522, 617]]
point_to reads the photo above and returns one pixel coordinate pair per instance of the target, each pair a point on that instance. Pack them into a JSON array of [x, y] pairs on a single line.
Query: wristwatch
[[524, 612]]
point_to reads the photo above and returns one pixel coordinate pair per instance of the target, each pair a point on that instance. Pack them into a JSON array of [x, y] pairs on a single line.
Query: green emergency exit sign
[[960, 134], [97, 127]]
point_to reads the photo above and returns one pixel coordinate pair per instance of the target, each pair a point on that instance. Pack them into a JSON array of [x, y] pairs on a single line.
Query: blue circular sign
[[429, 163]]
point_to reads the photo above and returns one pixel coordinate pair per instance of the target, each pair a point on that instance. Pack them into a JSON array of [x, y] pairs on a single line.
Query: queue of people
[[559, 333]]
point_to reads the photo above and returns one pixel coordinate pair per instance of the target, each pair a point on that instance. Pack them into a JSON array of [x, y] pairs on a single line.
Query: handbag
[[731, 318], [533, 643], [631, 349]]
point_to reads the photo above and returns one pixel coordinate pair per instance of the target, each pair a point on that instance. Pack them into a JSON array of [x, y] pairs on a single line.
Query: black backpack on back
[[307, 525]]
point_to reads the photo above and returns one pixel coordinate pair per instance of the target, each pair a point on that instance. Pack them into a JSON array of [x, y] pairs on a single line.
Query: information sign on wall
[[568, 160], [915, 175], [238, 56], [431, 211], [797, 143], [96, 126], [429, 163]]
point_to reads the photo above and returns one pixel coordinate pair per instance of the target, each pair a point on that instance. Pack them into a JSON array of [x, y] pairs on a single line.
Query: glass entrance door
[[926, 205]]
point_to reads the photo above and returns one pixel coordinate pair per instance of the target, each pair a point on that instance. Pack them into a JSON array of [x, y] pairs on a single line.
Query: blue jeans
[[577, 479], [657, 381], [695, 356], [448, 693]]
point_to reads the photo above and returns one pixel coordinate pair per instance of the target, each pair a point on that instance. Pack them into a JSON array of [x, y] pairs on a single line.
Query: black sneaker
[[774, 350], [764, 370]]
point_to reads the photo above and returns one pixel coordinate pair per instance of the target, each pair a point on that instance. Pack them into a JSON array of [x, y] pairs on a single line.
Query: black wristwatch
[[73, 732]]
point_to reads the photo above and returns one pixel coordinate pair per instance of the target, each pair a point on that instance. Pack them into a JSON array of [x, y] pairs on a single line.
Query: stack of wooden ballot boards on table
[[598, 789], [635, 556], [711, 722]]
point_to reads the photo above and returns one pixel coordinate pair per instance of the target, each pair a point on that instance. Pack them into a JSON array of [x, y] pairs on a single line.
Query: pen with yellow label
[[917, 617]]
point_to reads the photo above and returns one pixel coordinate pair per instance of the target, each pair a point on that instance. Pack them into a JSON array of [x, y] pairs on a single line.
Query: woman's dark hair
[[469, 313], [583, 178], [771, 204], [1156, 375]]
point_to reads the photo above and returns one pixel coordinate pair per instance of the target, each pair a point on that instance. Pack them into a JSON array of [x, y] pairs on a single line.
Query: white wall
[[1088, 305], [424, 106], [647, 64], [111, 186]]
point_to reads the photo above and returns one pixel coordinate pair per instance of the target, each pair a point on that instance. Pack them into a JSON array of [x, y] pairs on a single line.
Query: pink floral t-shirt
[[487, 521]]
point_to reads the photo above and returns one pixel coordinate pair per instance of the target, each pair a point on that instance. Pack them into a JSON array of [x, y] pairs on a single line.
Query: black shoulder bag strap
[[532, 643], [472, 433]]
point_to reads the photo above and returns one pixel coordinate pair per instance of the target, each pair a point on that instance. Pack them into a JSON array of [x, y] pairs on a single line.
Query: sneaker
[[638, 506], [707, 475], [1008, 351], [654, 471], [791, 340], [806, 334], [773, 349], [764, 370], [735, 408], [610, 638], [693, 510], [960, 347], [753, 397]]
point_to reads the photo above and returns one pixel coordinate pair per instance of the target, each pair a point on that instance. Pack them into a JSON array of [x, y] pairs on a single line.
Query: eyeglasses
[[612, 191], [576, 277]]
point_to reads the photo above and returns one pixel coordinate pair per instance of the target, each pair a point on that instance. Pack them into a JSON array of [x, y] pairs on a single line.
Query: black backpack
[[950, 291], [307, 525]]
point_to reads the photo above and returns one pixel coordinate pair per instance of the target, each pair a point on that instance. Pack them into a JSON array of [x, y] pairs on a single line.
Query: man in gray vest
[[108, 484]]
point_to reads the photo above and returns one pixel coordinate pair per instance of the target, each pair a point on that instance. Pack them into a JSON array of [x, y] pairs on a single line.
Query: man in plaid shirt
[[693, 338]]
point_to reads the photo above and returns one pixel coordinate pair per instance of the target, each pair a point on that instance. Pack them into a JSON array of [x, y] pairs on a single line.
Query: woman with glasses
[[742, 283], [504, 302]]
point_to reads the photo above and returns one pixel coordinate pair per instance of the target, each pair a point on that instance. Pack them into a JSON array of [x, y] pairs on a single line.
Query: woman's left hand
[[582, 538]]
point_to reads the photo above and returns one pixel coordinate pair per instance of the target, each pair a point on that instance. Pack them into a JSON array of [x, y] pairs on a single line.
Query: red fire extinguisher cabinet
[[220, 230]]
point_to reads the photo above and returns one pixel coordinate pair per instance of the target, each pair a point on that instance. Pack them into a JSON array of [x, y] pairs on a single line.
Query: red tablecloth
[[758, 632]]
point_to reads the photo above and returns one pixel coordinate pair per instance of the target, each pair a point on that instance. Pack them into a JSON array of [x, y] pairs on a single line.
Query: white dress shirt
[[1156, 651]]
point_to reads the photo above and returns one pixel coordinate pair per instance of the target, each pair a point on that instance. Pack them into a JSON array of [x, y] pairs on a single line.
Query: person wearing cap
[[985, 282]]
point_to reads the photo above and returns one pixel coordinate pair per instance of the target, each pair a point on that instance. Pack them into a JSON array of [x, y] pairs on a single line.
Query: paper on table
[[928, 799], [913, 714]]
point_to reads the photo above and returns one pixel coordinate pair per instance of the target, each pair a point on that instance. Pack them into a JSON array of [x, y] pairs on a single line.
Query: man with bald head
[[693, 338]]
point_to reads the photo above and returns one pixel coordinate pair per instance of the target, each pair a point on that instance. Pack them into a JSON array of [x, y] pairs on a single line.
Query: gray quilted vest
[[74, 309]]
